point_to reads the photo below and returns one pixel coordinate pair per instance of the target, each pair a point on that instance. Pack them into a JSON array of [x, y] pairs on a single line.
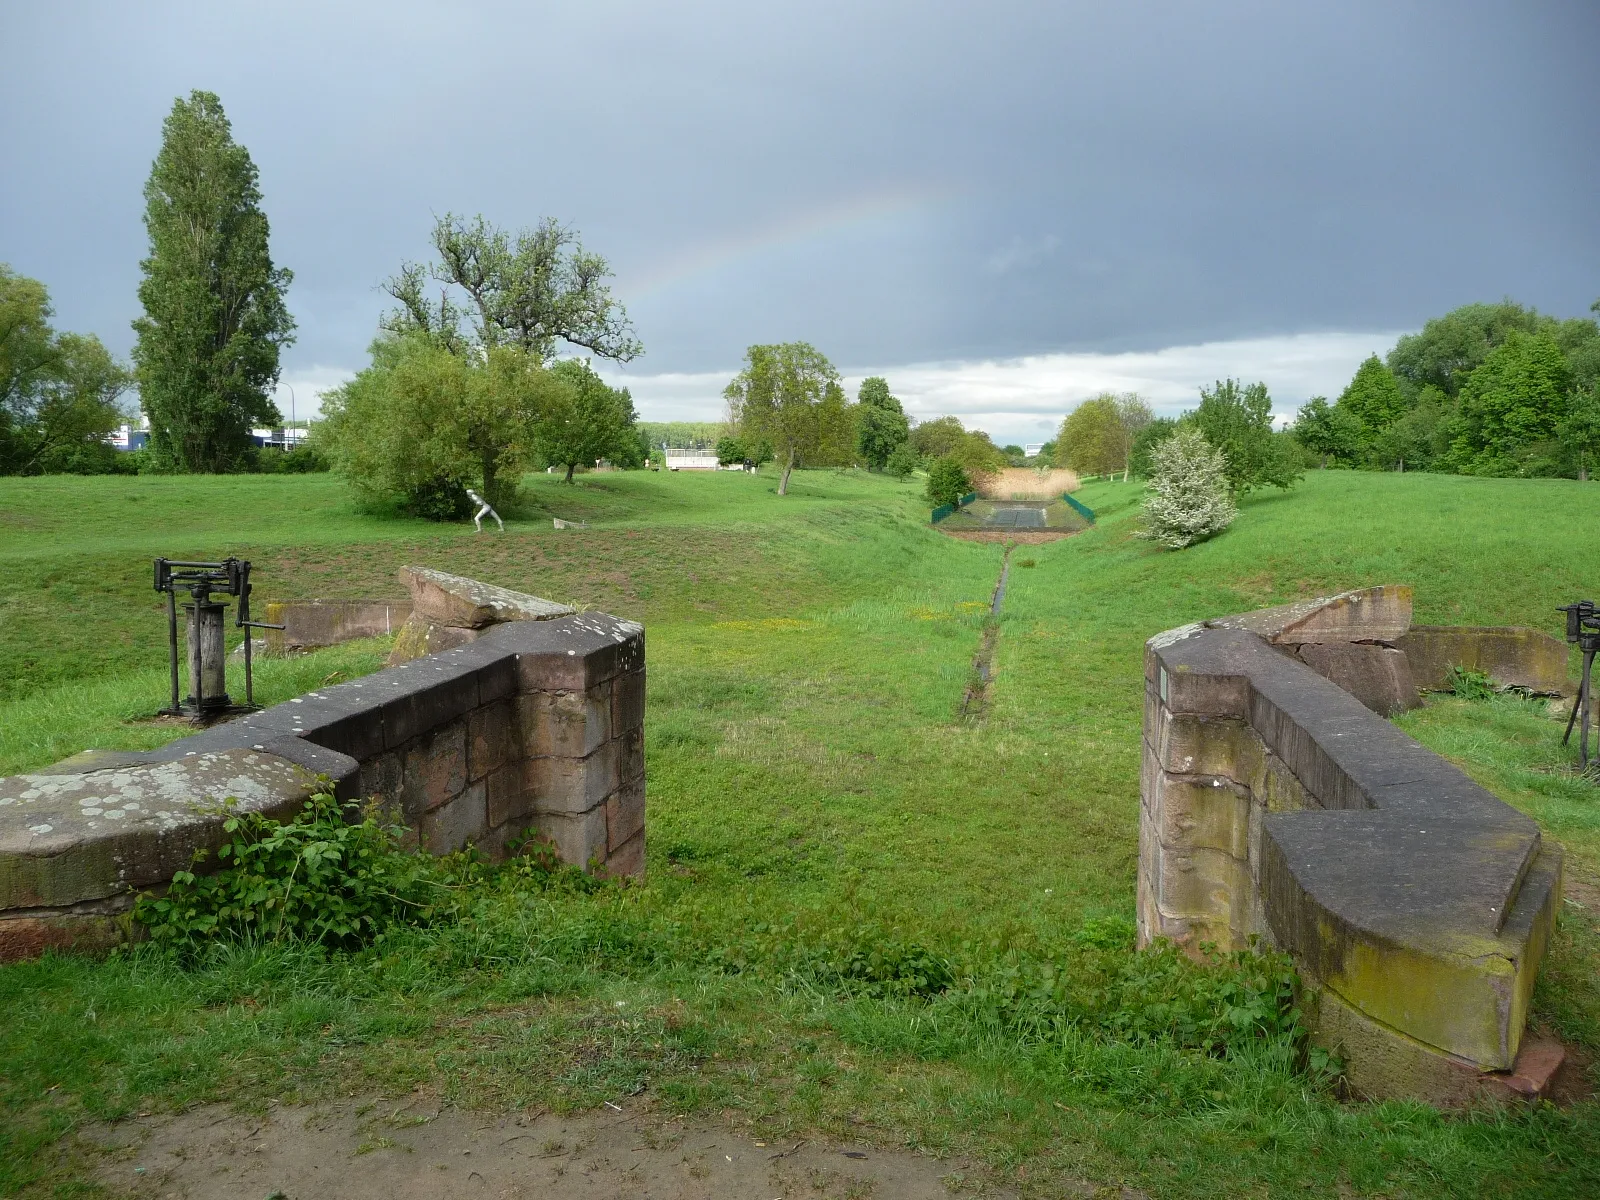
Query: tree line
[[1111, 433], [1487, 389], [788, 405], [465, 385]]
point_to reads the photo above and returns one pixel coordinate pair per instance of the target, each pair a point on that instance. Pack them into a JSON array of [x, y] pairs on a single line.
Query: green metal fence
[[944, 510], [1083, 510]]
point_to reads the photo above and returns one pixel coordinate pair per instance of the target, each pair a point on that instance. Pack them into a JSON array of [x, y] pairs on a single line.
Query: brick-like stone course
[[535, 724]]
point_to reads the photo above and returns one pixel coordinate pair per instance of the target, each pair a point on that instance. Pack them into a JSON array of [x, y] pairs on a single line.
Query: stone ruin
[[1277, 802], [532, 718]]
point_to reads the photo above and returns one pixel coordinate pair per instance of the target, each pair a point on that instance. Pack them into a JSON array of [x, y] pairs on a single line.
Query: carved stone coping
[[1419, 899]]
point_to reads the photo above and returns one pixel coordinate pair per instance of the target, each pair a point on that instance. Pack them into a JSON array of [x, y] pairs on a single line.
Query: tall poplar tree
[[214, 315]]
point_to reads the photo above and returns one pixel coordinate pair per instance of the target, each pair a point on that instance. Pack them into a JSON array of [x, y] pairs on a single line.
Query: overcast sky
[[1003, 207]]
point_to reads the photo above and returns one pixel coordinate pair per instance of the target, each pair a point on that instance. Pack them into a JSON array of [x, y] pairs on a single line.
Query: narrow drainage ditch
[[975, 700]]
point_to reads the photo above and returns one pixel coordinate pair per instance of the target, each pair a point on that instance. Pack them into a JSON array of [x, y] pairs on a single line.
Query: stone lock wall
[[1275, 803], [535, 724]]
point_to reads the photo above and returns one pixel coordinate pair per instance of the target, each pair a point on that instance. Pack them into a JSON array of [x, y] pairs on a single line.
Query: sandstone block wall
[[534, 725], [309, 624], [1511, 657], [1275, 803]]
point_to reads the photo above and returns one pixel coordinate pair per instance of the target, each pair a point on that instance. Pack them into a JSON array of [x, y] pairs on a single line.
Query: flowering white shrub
[[1189, 498]]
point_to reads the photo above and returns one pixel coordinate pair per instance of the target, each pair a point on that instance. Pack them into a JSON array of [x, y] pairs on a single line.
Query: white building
[[1033, 449], [691, 460]]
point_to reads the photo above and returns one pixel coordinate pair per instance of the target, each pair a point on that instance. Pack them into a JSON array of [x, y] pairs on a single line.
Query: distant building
[[691, 460], [126, 437], [279, 439], [1033, 450]]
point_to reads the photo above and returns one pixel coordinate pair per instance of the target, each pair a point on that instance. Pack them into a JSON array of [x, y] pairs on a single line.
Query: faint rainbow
[[715, 254]]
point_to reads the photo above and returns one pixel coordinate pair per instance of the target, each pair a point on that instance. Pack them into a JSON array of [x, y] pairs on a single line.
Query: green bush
[[902, 460], [339, 883], [1188, 498], [316, 877], [947, 481], [303, 460]]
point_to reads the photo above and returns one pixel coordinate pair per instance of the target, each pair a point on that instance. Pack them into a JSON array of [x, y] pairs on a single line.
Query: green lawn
[[819, 819]]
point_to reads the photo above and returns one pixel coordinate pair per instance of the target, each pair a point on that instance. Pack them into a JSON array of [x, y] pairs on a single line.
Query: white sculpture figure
[[483, 511]]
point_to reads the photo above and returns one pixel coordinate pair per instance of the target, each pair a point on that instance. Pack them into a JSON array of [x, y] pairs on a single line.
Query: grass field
[[820, 824]]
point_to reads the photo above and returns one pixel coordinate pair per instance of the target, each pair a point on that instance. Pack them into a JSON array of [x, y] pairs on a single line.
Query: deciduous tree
[[1580, 430], [1511, 404], [214, 315], [535, 290], [1146, 440], [1237, 420], [1091, 441], [421, 424], [882, 425], [58, 391], [789, 394], [1373, 397], [584, 422], [1332, 433], [947, 481]]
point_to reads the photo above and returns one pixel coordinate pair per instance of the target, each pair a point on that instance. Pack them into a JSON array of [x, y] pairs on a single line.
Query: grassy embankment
[[809, 786]]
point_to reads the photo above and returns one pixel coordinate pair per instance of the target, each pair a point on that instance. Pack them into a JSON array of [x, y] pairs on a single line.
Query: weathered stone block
[[566, 724], [384, 777], [579, 838], [1512, 657], [1192, 692], [430, 693], [313, 623], [1383, 1063], [630, 754], [575, 653], [435, 769], [466, 603], [1200, 745], [1204, 813], [509, 796], [1205, 884], [65, 839], [1376, 614], [78, 929], [452, 825], [626, 860], [625, 813], [574, 785], [491, 738], [627, 702], [1378, 676]]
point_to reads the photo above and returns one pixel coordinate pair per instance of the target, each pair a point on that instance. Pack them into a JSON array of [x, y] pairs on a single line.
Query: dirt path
[[407, 1149]]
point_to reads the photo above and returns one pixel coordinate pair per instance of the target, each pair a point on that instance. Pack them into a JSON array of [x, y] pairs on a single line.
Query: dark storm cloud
[[895, 182]]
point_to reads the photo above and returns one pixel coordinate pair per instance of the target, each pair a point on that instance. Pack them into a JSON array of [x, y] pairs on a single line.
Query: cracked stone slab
[[440, 598]]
